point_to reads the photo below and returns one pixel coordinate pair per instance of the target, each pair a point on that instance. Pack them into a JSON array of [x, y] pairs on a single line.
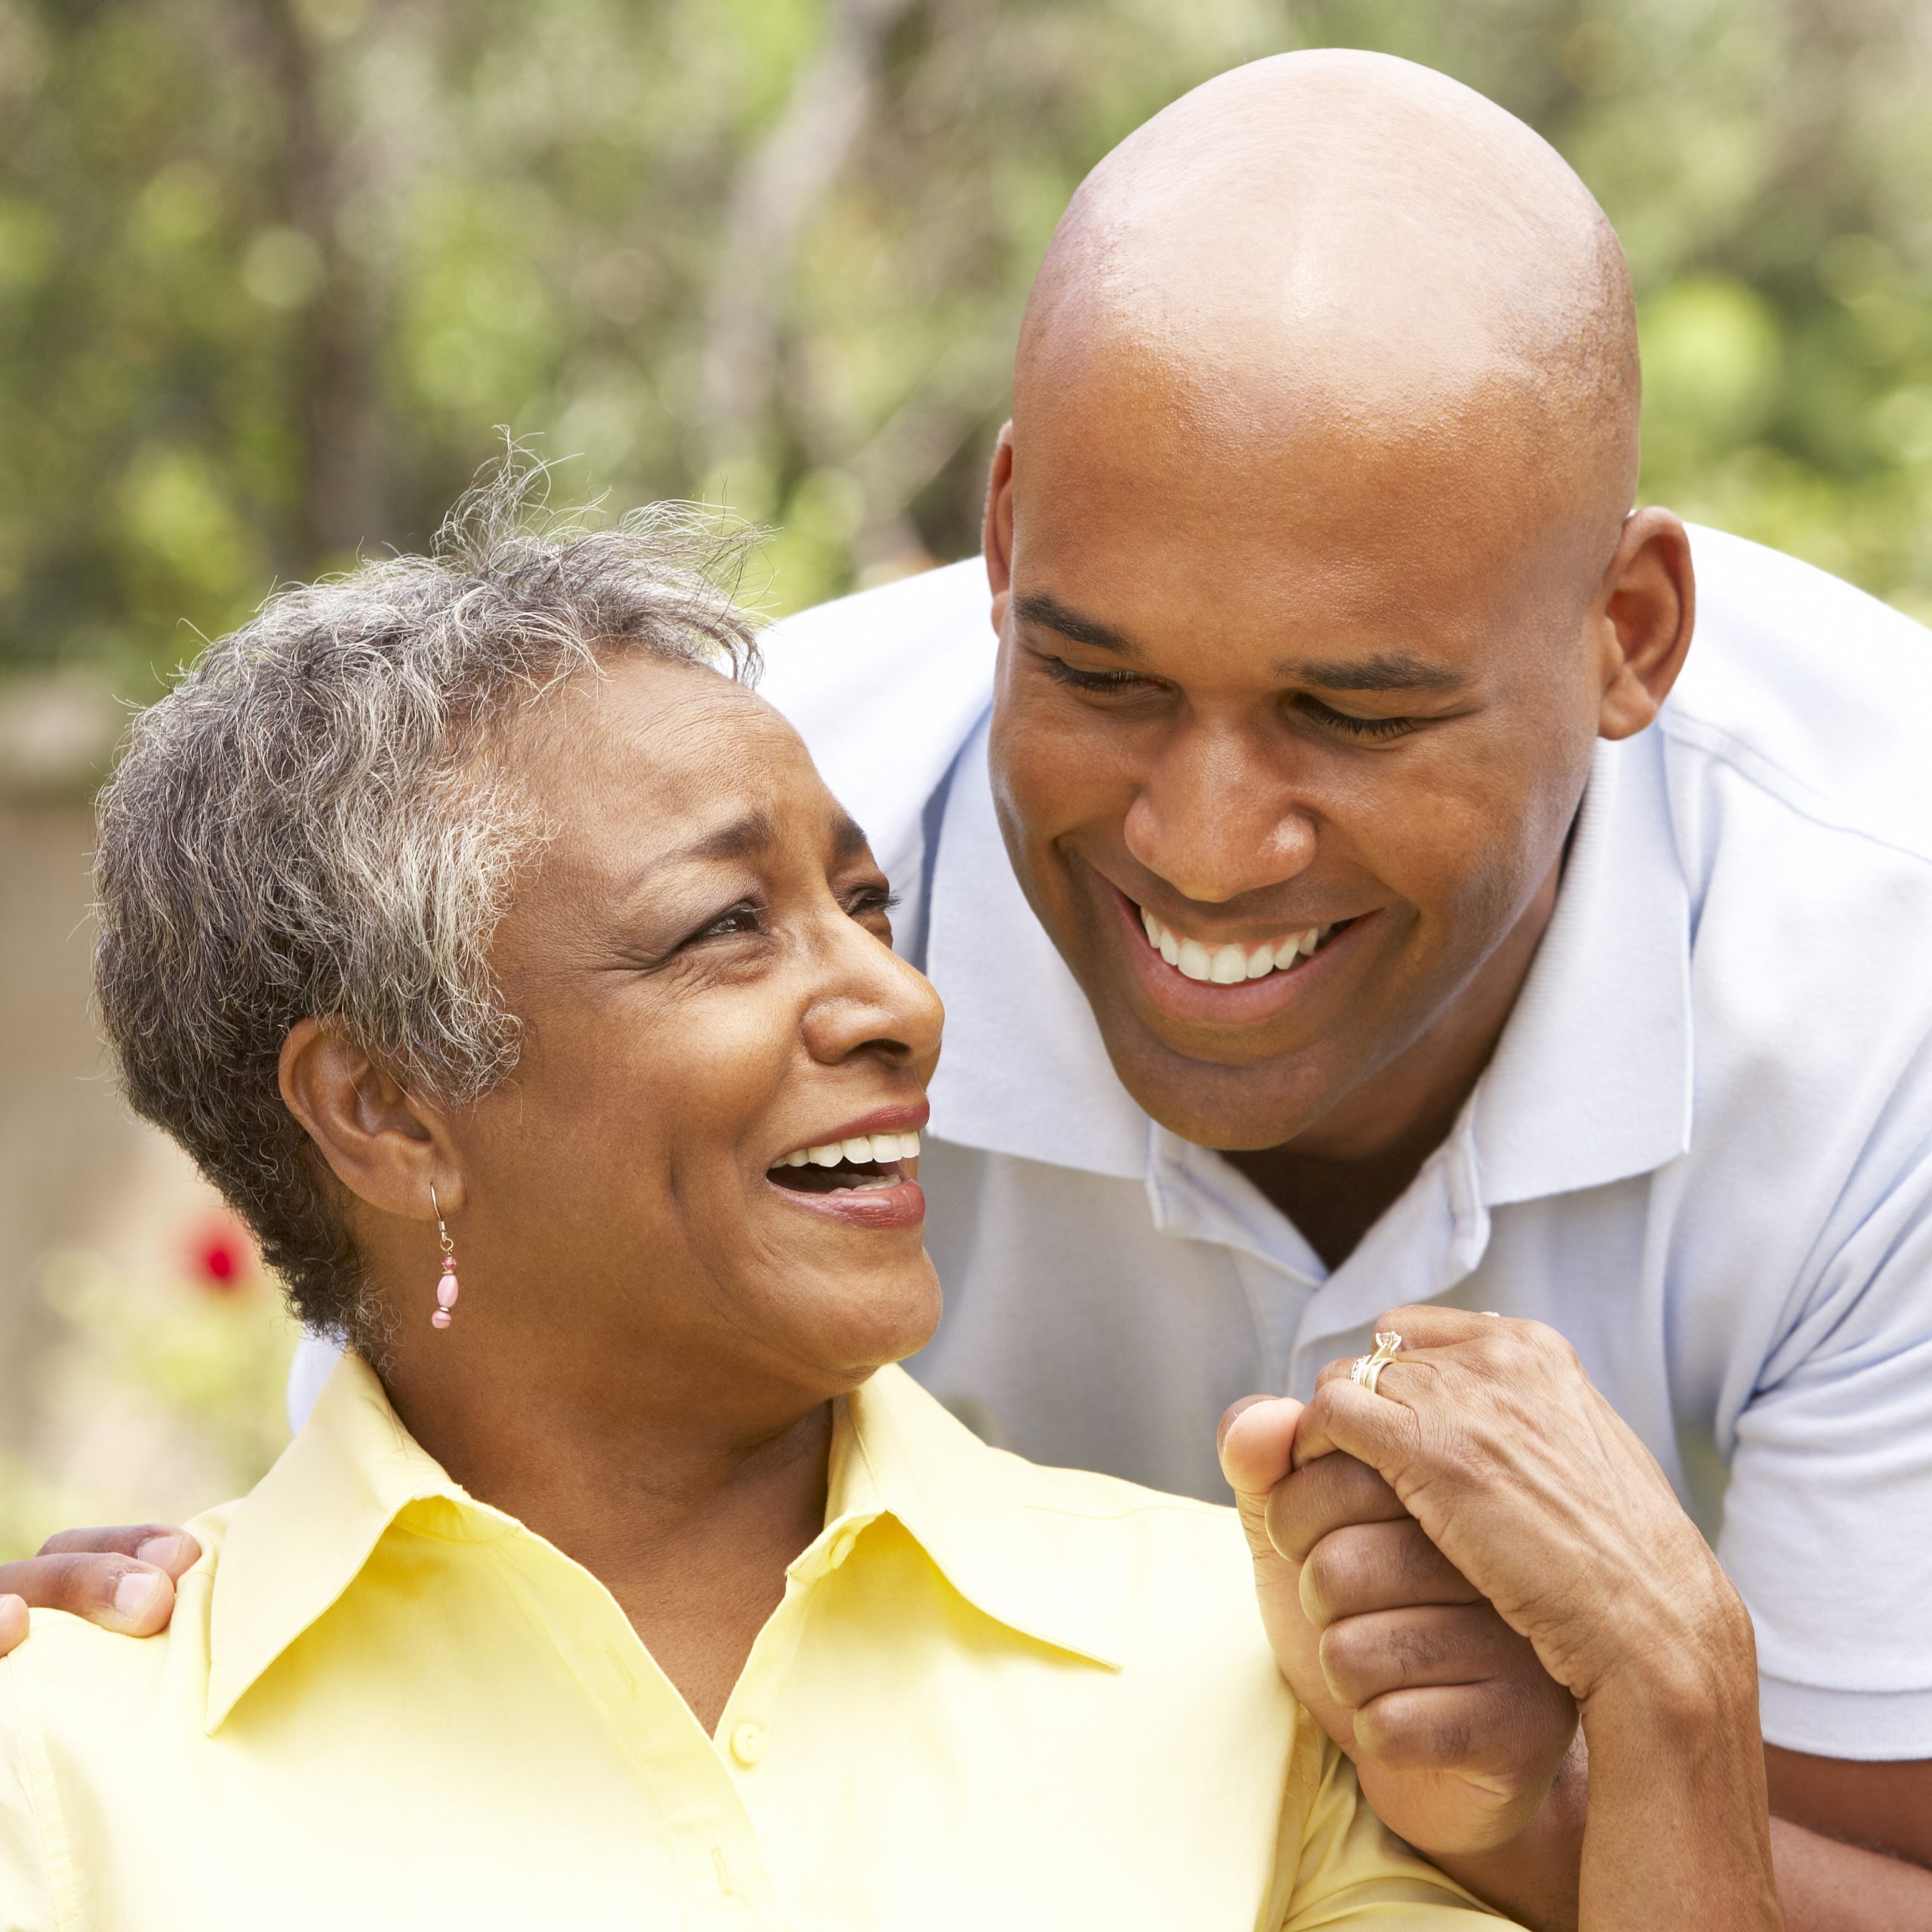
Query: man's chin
[[1234, 1107]]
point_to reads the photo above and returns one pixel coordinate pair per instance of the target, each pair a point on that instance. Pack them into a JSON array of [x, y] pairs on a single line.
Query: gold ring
[[1368, 1368]]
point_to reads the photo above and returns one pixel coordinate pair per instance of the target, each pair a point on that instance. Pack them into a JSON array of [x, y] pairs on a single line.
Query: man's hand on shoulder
[[1457, 1732], [122, 1579]]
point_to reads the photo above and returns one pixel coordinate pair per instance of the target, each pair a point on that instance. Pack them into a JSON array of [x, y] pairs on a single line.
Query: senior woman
[[513, 972]]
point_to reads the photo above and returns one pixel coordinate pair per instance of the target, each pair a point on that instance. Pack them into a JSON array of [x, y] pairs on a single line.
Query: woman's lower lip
[[1246, 1003], [902, 1205]]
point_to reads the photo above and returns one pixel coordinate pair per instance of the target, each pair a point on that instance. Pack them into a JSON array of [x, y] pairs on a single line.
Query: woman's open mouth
[[864, 1163], [863, 1180]]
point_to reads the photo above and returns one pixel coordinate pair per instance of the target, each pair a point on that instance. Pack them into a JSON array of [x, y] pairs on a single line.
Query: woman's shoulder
[[1175, 1563], [71, 1675], [1160, 1585]]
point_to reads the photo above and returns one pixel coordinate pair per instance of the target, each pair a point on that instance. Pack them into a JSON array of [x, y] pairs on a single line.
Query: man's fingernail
[[139, 1594], [164, 1552]]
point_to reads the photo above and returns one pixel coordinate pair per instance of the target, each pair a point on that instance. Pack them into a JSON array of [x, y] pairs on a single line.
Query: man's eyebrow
[[1385, 670], [1040, 608]]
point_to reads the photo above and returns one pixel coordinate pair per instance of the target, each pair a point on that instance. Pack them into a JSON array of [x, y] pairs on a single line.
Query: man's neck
[[1337, 1180]]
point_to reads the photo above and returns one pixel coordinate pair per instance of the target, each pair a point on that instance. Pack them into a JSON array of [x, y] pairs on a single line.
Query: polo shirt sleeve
[[27, 1799], [1827, 1528], [1347, 1868]]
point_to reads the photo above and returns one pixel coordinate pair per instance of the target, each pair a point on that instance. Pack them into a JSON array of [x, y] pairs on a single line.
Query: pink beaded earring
[[446, 1289]]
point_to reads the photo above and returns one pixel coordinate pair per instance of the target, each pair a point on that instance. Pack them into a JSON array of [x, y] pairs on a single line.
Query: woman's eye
[[743, 919], [872, 902], [1350, 725]]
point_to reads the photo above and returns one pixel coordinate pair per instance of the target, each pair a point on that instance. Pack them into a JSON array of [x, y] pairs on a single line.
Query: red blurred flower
[[222, 1255]]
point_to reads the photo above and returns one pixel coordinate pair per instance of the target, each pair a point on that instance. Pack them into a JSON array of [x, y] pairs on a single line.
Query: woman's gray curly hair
[[310, 822]]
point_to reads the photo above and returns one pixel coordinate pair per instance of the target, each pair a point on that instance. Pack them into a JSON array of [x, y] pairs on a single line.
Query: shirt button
[[841, 1546], [747, 1744]]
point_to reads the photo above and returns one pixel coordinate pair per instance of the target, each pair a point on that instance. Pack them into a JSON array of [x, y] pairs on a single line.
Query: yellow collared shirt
[[994, 1696]]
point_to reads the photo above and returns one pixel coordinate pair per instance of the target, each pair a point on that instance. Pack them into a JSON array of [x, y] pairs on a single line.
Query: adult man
[[1323, 924]]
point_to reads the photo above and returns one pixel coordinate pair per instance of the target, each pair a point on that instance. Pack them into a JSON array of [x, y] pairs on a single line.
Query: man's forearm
[[1679, 1833], [1825, 1886]]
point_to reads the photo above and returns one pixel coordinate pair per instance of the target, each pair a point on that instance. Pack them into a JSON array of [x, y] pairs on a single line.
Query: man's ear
[[384, 1147], [996, 539], [1644, 609]]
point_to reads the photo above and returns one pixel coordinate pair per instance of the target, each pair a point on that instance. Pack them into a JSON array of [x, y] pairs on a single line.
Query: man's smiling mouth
[[1226, 964]]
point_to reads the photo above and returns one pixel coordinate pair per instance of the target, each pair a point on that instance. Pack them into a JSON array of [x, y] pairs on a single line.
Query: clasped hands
[[1450, 1568]]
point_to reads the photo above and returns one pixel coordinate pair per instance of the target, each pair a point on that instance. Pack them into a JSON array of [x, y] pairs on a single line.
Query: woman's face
[[701, 958]]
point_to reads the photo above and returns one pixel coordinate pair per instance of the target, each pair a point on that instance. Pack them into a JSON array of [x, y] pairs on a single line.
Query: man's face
[[1264, 686]]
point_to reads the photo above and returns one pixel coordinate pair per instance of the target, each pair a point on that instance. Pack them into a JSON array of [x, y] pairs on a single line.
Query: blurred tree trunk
[[345, 497], [785, 182]]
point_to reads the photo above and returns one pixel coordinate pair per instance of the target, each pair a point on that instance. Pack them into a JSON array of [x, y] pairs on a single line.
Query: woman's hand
[[122, 1579], [1534, 1494], [1456, 1731]]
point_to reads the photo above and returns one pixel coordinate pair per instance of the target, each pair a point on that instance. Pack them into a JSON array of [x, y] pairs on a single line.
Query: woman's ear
[[1645, 607], [383, 1145]]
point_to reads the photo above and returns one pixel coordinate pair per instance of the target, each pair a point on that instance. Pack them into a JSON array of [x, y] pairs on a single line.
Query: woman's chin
[[865, 1316]]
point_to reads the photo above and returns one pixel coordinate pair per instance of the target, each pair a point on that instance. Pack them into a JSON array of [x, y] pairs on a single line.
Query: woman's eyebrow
[[848, 838], [756, 831], [743, 837]]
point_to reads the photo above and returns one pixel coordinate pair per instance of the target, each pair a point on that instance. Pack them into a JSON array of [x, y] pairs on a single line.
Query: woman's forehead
[[654, 756]]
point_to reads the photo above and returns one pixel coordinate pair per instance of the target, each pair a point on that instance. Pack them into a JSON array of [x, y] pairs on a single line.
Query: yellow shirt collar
[[298, 1540]]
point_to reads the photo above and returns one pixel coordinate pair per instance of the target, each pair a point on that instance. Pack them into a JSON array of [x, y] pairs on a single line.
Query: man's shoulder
[[1812, 692], [885, 687]]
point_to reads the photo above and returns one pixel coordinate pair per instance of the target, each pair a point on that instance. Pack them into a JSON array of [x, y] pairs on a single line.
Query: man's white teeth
[[1227, 965], [861, 1149]]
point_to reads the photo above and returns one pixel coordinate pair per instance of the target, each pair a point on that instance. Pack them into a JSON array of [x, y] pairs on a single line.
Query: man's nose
[[1215, 817]]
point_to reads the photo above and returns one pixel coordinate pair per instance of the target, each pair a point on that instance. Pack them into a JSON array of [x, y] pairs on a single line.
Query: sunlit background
[[271, 271]]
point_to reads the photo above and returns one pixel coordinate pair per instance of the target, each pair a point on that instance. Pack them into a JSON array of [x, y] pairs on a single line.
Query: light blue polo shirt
[[1702, 1151]]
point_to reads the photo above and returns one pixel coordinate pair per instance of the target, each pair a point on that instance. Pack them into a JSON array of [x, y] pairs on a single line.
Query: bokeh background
[[273, 271]]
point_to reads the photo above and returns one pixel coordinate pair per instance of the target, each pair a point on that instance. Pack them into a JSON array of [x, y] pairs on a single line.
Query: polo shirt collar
[[296, 1542], [1591, 1082]]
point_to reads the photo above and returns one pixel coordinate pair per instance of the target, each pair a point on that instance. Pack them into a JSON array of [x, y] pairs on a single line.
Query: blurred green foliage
[[271, 270]]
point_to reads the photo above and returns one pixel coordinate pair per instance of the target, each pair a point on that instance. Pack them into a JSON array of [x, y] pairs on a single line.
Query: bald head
[[1339, 245]]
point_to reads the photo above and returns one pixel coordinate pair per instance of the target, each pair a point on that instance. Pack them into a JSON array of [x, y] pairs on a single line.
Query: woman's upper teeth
[[1224, 965], [861, 1149]]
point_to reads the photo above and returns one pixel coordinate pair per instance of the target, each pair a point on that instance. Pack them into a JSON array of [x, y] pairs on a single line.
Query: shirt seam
[[1718, 742], [42, 1790]]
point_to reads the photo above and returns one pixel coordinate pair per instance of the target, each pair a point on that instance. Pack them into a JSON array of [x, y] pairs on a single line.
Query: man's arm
[[1852, 1842]]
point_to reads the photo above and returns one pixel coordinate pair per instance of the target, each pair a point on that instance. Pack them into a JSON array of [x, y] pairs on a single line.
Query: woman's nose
[[873, 1000], [1214, 819]]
